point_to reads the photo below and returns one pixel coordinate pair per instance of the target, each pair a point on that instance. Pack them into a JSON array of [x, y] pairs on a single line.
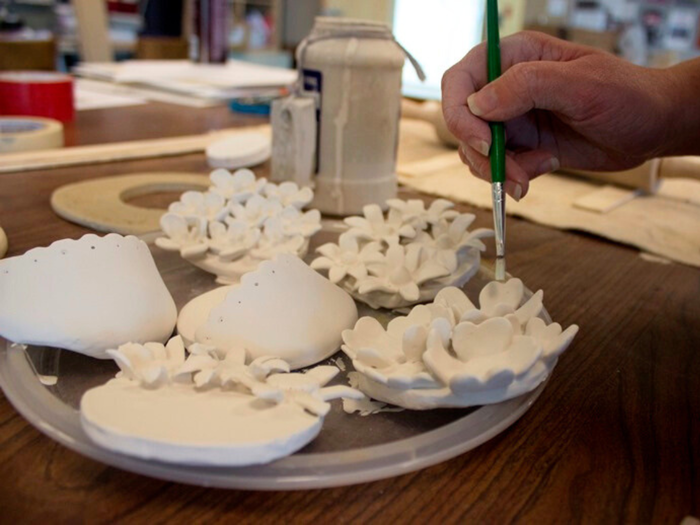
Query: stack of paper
[[234, 79]]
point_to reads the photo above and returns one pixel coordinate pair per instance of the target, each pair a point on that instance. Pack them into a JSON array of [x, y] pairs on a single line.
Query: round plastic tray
[[350, 448]]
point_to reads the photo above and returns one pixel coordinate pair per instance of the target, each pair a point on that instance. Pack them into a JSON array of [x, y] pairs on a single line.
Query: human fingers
[[559, 87], [468, 76], [517, 181]]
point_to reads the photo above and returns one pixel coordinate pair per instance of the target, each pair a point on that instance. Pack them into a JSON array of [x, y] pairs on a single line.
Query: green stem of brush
[[498, 136]]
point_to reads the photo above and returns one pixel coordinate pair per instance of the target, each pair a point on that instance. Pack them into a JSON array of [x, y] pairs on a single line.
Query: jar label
[[313, 86]]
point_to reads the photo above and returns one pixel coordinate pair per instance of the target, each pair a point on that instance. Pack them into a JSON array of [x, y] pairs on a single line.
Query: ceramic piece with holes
[[239, 222], [203, 408], [284, 308], [85, 295], [449, 353], [406, 257]]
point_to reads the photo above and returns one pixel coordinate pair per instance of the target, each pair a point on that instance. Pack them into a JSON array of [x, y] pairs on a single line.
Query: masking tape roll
[[29, 134], [37, 94]]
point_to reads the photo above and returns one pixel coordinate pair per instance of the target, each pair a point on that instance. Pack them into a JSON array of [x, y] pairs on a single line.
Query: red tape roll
[[37, 94]]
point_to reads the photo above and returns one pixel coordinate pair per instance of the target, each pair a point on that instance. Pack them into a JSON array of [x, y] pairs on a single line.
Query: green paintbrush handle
[[498, 137]]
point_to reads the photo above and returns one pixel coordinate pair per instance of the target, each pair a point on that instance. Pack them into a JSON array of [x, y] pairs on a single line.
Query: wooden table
[[615, 437]]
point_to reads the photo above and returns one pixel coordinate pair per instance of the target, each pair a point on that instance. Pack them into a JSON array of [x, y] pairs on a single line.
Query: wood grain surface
[[614, 438]]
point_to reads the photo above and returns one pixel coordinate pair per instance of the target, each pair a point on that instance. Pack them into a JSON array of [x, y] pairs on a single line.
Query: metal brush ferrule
[[499, 217]]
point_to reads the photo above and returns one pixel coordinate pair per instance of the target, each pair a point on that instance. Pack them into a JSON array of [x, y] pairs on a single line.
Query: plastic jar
[[353, 68]]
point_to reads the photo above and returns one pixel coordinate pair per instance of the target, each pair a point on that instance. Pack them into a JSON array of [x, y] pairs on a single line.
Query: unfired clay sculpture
[[239, 222], [85, 295], [406, 257], [284, 308], [205, 409], [450, 353]]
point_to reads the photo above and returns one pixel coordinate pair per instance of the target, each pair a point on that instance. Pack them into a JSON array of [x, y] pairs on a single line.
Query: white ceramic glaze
[[284, 308], [85, 295], [239, 222], [205, 409], [405, 257], [449, 353]]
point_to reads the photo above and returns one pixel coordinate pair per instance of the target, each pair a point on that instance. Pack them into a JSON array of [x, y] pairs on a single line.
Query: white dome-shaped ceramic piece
[[204, 409], [85, 295], [195, 313], [284, 309], [450, 353]]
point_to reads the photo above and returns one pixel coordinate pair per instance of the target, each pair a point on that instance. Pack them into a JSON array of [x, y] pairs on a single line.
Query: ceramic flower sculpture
[[205, 408], [451, 353], [239, 222], [406, 257]]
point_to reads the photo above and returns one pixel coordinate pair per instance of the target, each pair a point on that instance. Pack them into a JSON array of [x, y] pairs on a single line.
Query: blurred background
[[57, 34]]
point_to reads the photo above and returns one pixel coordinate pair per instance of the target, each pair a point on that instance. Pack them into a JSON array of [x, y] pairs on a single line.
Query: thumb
[[526, 86]]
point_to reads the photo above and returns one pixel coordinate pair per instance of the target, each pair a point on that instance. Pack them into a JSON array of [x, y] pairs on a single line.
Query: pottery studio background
[[219, 215]]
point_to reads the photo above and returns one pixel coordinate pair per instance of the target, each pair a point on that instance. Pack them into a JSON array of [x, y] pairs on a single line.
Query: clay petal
[[490, 337], [311, 404], [372, 357], [438, 361], [348, 243], [374, 214], [531, 308], [410, 292], [494, 293], [339, 392], [336, 274], [455, 299], [414, 342], [322, 263], [322, 375]]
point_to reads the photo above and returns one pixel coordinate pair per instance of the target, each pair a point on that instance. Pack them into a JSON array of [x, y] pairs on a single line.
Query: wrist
[[680, 93]]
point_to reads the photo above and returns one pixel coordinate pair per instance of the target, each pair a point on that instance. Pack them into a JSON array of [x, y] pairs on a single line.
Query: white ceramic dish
[[390, 443]]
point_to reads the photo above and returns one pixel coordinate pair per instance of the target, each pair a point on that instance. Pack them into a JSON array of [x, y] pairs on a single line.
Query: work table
[[614, 437]]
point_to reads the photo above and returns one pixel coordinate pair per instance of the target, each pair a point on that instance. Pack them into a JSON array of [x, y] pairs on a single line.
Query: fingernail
[[548, 166], [480, 145], [514, 189], [518, 192], [482, 102]]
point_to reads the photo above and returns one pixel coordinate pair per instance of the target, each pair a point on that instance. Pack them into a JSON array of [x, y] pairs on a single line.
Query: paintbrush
[[498, 143]]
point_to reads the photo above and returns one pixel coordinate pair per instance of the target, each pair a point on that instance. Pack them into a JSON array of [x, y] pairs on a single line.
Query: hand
[[563, 105]]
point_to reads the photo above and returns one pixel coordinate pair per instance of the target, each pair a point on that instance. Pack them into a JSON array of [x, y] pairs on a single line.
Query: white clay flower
[[455, 236], [306, 389], [256, 210], [289, 194], [486, 356], [210, 368], [295, 222], [152, 365], [266, 377], [347, 258], [188, 236], [392, 357], [472, 355], [238, 187], [274, 240], [232, 241], [374, 227], [195, 204], [413, 211], [403, 270]]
